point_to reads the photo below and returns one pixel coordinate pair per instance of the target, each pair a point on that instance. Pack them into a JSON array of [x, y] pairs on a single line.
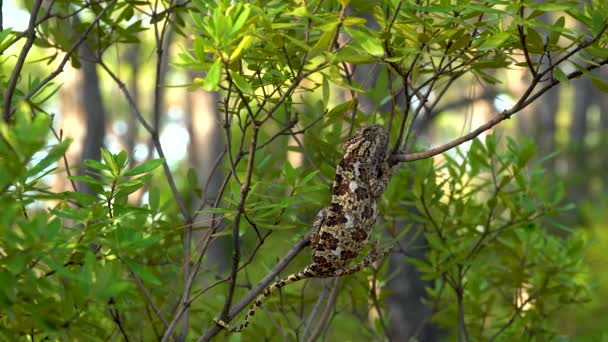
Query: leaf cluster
[[496, 267]]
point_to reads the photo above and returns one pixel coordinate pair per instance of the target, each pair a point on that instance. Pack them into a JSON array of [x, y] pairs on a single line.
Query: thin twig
[[67, 56], [400, 157], [315, 309], [12, 83], [237, 220], [48, 15], [146, 293], [176, 195], [333, 295], [256, 290], [522, 39]]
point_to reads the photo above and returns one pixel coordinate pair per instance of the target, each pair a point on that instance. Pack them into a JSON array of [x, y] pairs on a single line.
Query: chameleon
[[342, 229]]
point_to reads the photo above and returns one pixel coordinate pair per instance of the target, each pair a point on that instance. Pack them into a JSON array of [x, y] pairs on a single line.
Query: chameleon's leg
[[378, 184], [372, 257], [316, 226]]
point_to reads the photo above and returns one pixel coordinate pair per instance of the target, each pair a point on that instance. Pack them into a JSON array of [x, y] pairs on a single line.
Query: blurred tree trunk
[[602, 102], [205, 147], [584, 93], [545, 112], [410, 317], [158, 100], [71, 123], [93, 107], [545, 109], [516, 84], [82, 116], [482, 106]]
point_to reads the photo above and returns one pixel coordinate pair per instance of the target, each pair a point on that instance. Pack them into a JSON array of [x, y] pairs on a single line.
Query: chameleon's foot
[[230, 328], [378, 252], [375, 254], [222, 324]]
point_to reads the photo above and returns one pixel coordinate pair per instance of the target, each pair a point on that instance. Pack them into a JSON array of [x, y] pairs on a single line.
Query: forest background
[[161, 163]]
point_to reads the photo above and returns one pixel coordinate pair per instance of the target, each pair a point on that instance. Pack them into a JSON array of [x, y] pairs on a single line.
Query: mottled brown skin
[[342, 229]]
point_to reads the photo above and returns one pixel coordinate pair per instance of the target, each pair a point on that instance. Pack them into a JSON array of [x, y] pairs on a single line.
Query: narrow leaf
[[495, 41], [54, 154], [212, 80], [141, 272], [145, 167]]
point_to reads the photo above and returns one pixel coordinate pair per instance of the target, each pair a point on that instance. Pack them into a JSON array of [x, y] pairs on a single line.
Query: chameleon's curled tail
[[306, 273]]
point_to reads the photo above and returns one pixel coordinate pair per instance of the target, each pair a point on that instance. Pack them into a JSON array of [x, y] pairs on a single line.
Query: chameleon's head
[[371, 141]]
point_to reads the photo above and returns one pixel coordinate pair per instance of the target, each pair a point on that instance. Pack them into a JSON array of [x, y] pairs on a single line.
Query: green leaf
[[313, 188], [600, 84], [559, 75], [212, 80], [144, 242], [242, 84], [534, 42], [245, 42], [495, 42], [370, 44], [556, 30], [109, 160], [126, 14], [598, 20], [342, 108], [324, 42], [145, 167], [225, 232], [141, 272], [131, 186], [459, 41], [261, 164], [97, 165], [275, 226], [240, 21], [75, 62], [87, 179], [352, 55], [308, 177], [325, 91], [300, 11], [3, 35], [121, 159], [54, 155], [154, 198], [290, 173]]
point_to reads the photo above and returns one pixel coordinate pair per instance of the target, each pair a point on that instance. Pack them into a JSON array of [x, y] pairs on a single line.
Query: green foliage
[[61, 267], [81, 265], [497, 270]]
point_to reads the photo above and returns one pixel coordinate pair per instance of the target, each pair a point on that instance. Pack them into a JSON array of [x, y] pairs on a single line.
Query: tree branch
[[65, 59], [256, 290], [12, 83], [523, 103], [236, 257], [333, 295]]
